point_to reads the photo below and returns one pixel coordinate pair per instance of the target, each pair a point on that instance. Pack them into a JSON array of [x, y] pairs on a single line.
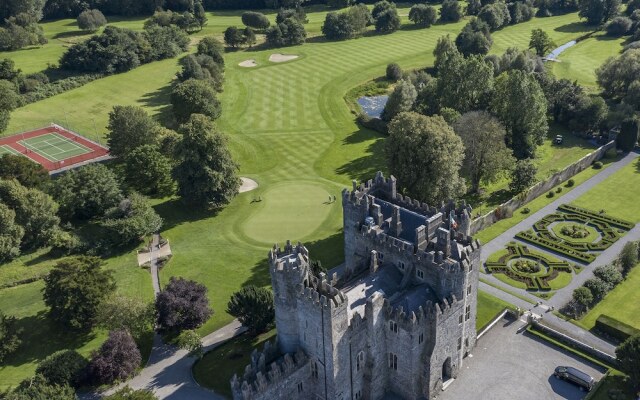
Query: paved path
[[155, 276], [563, 295]]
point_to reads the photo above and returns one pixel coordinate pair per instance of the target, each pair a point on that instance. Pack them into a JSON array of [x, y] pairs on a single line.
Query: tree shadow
[[161, 100], [40, 259], [364, 167], [70, 34], [41, 337], [174, 213], [574, 27]]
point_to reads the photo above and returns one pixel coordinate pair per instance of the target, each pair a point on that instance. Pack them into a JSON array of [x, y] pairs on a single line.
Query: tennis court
[[4, 149], [54, 147]]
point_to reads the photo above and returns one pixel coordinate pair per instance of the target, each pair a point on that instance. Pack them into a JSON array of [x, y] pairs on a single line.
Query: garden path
[[563, 295]]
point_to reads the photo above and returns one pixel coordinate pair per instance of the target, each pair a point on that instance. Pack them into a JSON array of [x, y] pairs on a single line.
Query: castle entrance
[[446, 370]]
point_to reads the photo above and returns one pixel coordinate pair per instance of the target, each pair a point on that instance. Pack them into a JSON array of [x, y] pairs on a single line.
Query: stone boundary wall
[[493, 322], [563, 338], [507, 208]]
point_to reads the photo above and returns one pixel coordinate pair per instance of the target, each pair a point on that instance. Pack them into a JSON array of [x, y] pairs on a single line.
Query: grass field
[[216, 368], [625, 203], [290, 130], [623, 303]]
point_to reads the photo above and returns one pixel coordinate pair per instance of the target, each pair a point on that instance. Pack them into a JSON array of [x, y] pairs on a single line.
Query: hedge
[[614, 328]]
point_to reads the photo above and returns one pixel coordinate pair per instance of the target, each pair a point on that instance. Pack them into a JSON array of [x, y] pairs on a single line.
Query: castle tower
[[289, 268]]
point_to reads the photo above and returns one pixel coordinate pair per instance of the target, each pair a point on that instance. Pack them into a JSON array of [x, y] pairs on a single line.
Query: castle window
[[393, 327], [420, 273], [401, 265], [469, 289], [314, 370], [421, 338], [460, 319], [360, 361], [380, 256], [300, 387], [393, 361], [459, 343], [467, 313], [358, 395]]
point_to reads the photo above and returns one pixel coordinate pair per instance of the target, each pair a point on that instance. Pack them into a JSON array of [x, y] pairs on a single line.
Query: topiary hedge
[[614, 328]]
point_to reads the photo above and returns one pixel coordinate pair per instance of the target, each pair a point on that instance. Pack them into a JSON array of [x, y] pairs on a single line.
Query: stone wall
[[507, 208]]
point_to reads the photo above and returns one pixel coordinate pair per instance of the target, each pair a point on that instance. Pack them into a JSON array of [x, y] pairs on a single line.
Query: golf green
[[290, 210]]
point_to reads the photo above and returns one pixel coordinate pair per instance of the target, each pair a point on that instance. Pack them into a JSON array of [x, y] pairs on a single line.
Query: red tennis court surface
[[54, 147]]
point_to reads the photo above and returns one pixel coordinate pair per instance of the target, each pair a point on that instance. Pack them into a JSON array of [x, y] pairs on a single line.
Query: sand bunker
[[278, 58], [247, 185], [248, 63]]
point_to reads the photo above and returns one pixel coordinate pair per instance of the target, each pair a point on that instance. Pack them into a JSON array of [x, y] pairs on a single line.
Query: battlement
[[289, 258], [260, 377], [322, 293], [425, 314]]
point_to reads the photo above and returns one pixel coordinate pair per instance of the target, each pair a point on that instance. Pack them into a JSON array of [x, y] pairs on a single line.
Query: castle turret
[[289, 268]]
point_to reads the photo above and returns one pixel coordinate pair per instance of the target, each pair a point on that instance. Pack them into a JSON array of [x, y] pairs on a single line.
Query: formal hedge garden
[[534, 270], [576, 232]]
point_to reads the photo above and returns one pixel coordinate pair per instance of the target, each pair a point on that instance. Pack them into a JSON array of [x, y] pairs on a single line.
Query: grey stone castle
[[395, 322]]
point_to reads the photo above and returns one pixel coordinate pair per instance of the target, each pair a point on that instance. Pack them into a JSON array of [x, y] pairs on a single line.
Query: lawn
[[623, 303], [288, 127], [625, 203], [580, 61], [216, 368]]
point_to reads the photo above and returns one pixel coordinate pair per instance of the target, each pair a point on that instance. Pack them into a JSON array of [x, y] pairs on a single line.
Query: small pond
[[556, 52], [373, 105]]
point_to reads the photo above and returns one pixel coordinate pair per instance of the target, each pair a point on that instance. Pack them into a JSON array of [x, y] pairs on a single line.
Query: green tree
[[444, 51], [475, 38], [9, 336], [192, 342], [496, 15], [64, 367], [628, 136], [206, 173], [401, 100], [425, 154], [129, 128], [339, 3], [628, 257], [423, 15], [233, 37], [628, 356], [381, 7], [598, 287], [149, 171], [541, 42], [255, 20], [465, 84], [388, 21], [393, 72], [254, 308], [10, 235], [194, 97], [22, 169], [74, 289], [129, 394], [519, 103], [91, 20], [199, 14], [210, 46], [486, 154], [118, 312], [337, 26], [38, 388], [35, 212], [451, 11], [86, 192], [618, 73], [9, 100], [130, 221], [582, 300], [597, 12], [523, 175]]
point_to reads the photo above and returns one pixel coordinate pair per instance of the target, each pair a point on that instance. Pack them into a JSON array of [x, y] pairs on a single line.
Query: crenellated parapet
[[322, 293], [426, 314], [290, 256], [259, 379]]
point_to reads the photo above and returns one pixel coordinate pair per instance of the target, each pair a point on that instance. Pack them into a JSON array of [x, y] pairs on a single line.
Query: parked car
[[558, 140], [574, 375]]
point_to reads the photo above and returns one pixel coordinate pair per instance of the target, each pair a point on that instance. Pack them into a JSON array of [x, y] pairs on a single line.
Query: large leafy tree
[[25, 171], [9, 100], [423, 15], [149, 171], [131, 220], [183, 304], [38, 388], [451, 11], [628, 257], [10, 234], [212, 47], [617, 74], [465, 84], [628, 355], [597, 12], [35, 212], [475, 38], [206, 174], [425, 154], [541, 42], [129, 128], [486, 154], [401, 100], [254, 308], [9, 335], [520, 105], [523, 175], [87, 192], [117, 359], [194, 97], [122, 312], [74, 289]]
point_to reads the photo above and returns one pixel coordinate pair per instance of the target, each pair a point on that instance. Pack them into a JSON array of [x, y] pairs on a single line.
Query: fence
[[507, 208]]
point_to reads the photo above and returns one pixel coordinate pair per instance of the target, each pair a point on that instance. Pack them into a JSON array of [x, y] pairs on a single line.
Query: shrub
[[117, 359], [523, 176], [550, 194], [91, 20], [525, 210], [570, 183], [65, 367], [609, 274], [559, 190], [598, 287], [183, 304], [394, 72], [628, 257], [255, 20], [597, 165]]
